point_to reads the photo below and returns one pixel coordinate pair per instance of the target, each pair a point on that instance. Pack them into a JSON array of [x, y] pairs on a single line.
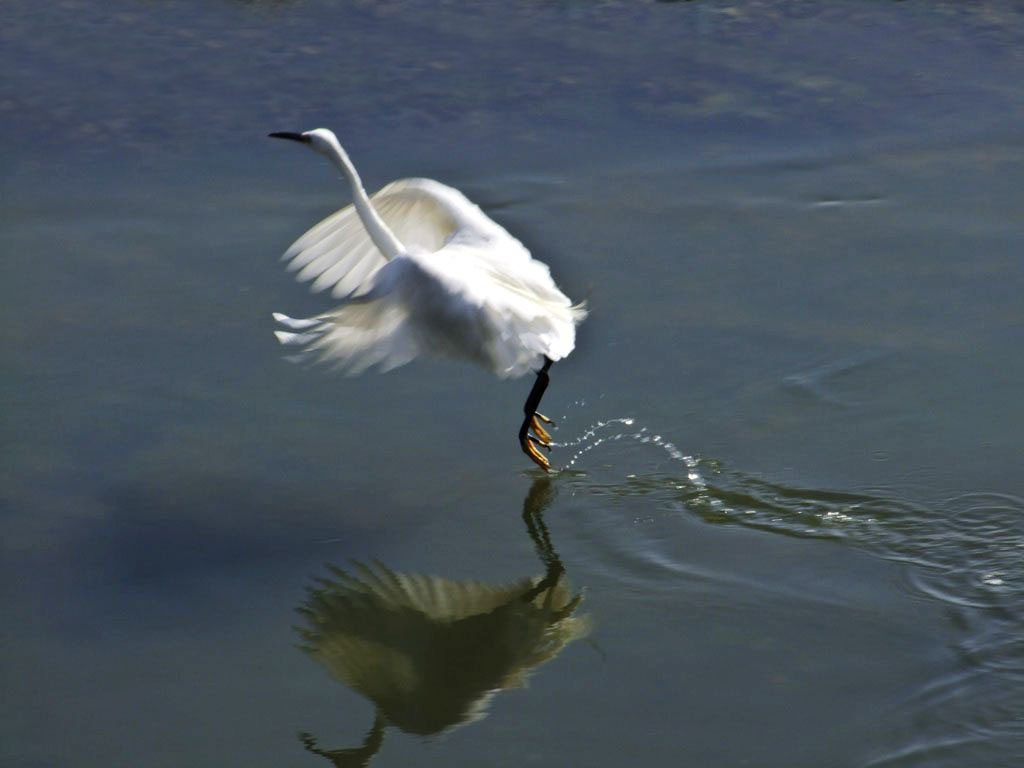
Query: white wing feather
[[464, 288], [338, 253]]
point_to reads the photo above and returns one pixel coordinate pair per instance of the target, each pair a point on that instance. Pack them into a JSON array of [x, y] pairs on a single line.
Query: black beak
[[288, 135]]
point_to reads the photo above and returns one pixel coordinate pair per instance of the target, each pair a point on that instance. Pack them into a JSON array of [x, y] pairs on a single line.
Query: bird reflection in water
[[428, 652]]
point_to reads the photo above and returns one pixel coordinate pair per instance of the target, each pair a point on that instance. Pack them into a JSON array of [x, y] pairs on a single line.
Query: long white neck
[[379, 232]]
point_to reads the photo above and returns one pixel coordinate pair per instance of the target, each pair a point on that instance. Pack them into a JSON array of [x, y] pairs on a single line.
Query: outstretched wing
[[464, 288], [423, 214]]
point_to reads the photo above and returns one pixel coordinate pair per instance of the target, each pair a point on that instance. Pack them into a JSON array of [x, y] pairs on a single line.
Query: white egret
[[421, 270]]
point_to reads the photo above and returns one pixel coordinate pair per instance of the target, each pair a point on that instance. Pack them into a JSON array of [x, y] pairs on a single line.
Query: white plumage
[[460, 286], [421, 270]]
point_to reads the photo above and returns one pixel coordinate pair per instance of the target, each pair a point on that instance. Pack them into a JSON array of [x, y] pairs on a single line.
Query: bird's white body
[[421, 270]]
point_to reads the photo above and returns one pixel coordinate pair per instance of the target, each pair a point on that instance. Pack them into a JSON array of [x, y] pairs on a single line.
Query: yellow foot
[[534, 453], [539, 431]]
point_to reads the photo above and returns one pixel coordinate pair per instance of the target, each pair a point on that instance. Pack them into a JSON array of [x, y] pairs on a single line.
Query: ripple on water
[[963, 551]]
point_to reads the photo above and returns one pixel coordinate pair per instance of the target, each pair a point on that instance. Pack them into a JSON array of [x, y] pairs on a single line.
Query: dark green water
[[789, 523]]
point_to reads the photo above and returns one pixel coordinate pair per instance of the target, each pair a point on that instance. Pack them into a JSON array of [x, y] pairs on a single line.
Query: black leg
[[527, 441]]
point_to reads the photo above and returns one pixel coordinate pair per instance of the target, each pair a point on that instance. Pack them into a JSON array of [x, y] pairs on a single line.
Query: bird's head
[[321, 140]]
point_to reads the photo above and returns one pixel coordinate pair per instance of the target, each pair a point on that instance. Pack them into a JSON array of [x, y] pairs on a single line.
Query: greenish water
[[788, 525]]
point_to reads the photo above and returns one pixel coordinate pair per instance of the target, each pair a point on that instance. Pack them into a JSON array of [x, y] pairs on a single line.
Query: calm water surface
[[789, 523]]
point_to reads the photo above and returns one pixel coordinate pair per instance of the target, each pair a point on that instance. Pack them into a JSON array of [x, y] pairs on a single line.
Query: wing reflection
[[430, 652]]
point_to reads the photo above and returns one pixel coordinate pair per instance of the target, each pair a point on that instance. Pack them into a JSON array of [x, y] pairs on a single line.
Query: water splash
[[612, 430], [964, 551]]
